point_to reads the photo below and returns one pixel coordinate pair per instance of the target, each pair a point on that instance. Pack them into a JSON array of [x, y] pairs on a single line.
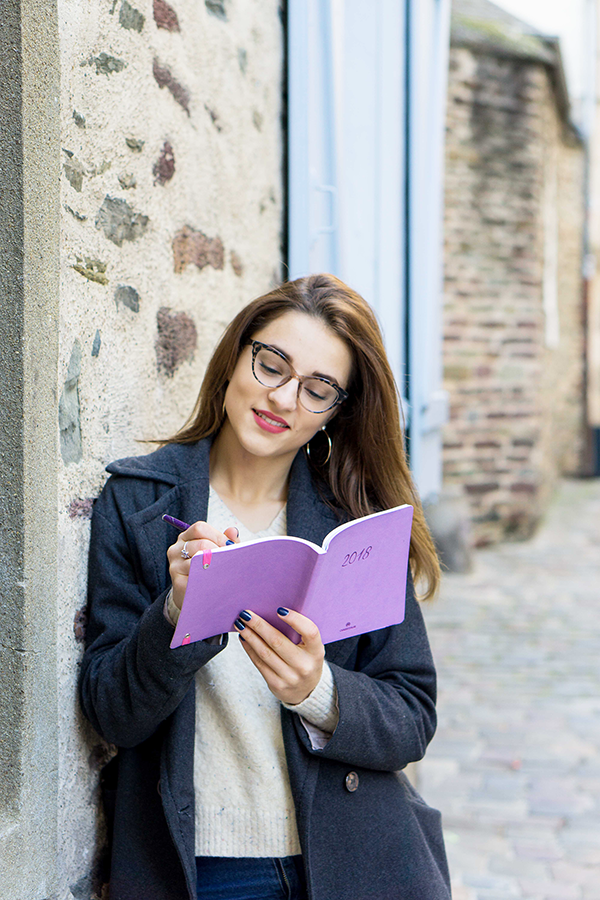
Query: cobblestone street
[[515, 764]]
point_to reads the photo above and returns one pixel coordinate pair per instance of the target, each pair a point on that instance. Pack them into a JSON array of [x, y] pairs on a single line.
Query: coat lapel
[[308, 516], [187, 499]]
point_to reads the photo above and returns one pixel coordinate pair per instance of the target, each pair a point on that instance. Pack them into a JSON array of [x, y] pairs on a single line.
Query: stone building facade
[[141, 207], [513, 331]]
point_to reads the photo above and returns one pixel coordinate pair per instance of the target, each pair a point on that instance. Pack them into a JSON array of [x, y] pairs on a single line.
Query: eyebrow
[[314, 374]]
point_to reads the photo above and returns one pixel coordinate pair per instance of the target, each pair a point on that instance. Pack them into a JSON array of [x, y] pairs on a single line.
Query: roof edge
[[499, 39]]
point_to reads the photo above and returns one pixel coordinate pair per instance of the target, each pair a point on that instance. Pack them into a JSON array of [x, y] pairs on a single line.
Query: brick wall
[[512, 330]]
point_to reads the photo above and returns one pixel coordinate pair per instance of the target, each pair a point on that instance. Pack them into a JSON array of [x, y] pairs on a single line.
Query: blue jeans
[[250, 878]]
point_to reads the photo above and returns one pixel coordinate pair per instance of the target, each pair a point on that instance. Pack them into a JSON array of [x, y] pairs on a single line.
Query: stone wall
[[512, 322], [29, 279], [170, 218]]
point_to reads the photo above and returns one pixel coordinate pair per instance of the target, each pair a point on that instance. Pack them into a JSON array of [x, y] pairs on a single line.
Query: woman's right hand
[[199, 536]]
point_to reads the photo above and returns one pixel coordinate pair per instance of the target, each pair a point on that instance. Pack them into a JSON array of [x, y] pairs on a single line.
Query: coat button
[[351, 782]]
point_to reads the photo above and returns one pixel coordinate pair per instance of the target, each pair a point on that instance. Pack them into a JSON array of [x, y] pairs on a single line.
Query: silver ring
[[184, 553]]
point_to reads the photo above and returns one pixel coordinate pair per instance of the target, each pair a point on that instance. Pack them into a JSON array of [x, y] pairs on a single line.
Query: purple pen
[[182, 526]]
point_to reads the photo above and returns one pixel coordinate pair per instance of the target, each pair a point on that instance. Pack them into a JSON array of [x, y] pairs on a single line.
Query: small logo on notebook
[[349, 627]]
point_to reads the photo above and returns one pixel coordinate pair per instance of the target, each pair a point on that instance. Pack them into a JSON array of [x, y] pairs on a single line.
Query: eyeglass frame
[[257, 346]]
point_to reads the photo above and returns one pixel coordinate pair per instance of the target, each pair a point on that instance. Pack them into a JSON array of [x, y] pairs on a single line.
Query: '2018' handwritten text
[[355, 556]]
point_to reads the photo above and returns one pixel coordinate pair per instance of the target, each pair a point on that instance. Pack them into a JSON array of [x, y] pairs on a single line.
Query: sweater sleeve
[[130, 679], [319, 712], [170, 610], [386, 698]]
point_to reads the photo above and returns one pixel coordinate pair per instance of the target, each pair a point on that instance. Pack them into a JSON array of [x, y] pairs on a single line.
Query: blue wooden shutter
[[359, 133], [428, 30]]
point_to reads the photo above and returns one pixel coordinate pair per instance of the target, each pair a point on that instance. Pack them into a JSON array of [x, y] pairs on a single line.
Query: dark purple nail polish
[[239, 624], [282, 611], [241, 639], [245, 615], [228, 542]]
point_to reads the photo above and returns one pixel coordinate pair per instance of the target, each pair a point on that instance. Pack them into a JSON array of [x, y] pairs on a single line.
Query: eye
[[315, 395], [269, 369]]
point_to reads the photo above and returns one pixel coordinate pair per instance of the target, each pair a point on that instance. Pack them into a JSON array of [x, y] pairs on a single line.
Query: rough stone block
[[192, 247], [131, 18], [165, 16], [105, 64], [135, 144], [128, 296], [165, 78], [176, 340], [74, 173], [236, 264], [92, 269], [97, 343], [81, 508], [164, 167], [127, 181], [217, 8], [119, 221], [68, 410], [80, 624]]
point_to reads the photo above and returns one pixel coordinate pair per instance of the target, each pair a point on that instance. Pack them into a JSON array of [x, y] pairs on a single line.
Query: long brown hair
[[367, 470]]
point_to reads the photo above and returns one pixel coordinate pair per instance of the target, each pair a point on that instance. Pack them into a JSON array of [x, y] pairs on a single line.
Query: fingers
[[266, 640], [203, 531], [201, 536], [198, 537], [182, 563], [232, 533], [306, 628], [266, 660], [276, 680], [276, 649], [291, 671]]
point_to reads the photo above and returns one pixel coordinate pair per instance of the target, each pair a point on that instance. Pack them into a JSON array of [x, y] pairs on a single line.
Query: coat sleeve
[[130, 679], [387, 700]]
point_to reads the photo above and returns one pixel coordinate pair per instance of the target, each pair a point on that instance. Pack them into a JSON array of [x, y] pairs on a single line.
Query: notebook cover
[[359, 583]]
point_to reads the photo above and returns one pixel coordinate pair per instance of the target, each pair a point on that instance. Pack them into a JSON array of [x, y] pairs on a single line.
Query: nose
[[286, 395]]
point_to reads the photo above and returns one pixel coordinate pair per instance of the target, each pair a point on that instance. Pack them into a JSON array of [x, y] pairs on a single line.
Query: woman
[[255, 767]]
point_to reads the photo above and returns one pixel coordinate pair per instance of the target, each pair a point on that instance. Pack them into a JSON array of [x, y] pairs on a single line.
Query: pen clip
[[206, 555]]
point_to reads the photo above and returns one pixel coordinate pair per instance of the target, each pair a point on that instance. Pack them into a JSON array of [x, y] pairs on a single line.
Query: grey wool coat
[[377, 842]]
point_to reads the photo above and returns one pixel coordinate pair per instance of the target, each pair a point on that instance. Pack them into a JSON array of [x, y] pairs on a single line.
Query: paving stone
[[551, 890], [587, 876], [515, 765], [461, 892], [520, 868], [493, 882]]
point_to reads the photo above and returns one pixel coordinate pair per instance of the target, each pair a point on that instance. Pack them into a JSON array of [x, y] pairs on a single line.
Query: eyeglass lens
[[272, 370]]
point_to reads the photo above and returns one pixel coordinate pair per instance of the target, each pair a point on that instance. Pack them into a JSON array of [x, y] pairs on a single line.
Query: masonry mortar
[[224, 182], [514, 395]]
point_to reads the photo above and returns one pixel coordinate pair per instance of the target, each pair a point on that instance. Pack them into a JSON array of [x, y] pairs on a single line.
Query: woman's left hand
[[292, 671]]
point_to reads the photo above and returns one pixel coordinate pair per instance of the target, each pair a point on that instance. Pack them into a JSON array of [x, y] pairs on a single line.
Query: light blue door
[[429, 36], [360, 141]]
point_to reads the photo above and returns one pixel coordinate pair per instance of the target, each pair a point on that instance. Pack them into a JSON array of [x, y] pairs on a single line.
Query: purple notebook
[[354, 583]]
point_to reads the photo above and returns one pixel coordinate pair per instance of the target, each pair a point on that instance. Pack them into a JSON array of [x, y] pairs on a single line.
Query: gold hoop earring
[[326, 460]]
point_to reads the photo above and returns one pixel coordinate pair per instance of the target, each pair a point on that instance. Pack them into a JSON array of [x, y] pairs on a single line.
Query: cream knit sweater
[[244, 804]]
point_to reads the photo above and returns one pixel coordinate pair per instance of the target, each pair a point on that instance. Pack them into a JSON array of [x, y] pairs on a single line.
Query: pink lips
[[266, 426]]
